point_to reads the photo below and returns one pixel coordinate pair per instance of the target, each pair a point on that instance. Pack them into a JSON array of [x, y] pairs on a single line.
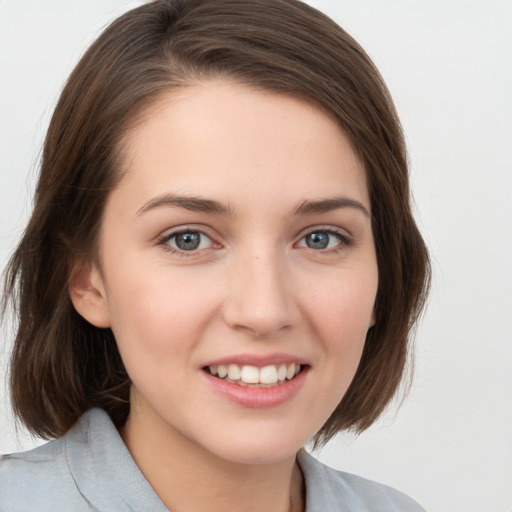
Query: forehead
[[239, 144]]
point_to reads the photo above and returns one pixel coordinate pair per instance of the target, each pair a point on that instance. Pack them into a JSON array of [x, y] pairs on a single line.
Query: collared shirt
[[90, 469]]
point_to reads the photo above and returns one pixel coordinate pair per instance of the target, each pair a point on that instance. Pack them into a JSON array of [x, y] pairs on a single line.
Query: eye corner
[[187, 241], [325, 240]]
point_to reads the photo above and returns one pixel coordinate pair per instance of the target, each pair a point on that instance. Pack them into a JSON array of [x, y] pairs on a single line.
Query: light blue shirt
[[90, 469]]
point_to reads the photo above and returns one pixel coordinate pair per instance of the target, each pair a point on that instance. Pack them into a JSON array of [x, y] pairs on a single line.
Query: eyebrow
[[195, 204], [328, 205], [202, 205]]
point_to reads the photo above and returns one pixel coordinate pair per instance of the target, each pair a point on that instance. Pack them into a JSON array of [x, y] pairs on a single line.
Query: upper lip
[[258, 360]]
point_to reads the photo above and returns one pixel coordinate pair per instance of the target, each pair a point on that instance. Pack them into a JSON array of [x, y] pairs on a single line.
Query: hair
[[61, 365]]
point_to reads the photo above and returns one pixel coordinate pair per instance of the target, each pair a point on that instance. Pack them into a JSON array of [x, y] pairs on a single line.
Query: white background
[[449, 66]]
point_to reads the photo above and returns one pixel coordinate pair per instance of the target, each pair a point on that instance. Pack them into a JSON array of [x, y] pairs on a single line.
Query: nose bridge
[[260, 298]]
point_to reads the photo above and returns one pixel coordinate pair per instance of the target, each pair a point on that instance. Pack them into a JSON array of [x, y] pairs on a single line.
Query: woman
[[221, 264]]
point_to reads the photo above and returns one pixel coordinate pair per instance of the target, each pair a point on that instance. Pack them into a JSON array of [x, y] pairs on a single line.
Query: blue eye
[[321, 240], [188, 241]]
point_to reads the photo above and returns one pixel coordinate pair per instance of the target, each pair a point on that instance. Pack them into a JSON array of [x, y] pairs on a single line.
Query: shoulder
[[328, 490], [29, 480], [89, 469], [42, 479]]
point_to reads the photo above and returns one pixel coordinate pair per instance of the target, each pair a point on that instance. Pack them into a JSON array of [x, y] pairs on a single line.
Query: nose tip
[[259, 322], [260, 300]]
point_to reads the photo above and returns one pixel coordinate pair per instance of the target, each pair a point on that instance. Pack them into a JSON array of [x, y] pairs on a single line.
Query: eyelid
[[325, 227], [163, 240], [345, 238]]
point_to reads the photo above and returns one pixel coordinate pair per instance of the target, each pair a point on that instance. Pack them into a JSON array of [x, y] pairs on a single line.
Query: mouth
[[251, 376]]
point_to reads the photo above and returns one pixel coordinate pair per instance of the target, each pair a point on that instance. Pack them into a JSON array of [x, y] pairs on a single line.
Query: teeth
[[250, 375], [247, 374], [268, 375], [234, 372], [290, 372]]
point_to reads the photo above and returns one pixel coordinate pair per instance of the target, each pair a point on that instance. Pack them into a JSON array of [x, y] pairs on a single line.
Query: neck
[[186, 478]]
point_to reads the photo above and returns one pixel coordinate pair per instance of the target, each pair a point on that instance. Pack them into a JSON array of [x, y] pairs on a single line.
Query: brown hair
[[61, 365]]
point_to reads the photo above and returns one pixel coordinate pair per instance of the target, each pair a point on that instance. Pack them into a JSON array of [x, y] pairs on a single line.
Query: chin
[[258, 455], [253, 448]]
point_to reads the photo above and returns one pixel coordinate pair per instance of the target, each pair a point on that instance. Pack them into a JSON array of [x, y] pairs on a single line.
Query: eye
[[187, 241], [322, 240]]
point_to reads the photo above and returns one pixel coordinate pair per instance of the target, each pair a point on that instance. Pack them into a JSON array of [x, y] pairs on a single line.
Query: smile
[[252, 376]]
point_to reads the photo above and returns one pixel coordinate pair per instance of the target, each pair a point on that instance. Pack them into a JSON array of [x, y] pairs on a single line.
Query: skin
[[253, 288]]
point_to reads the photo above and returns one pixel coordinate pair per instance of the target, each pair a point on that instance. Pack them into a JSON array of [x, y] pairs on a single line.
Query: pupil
[[188, 241], [317, 240]]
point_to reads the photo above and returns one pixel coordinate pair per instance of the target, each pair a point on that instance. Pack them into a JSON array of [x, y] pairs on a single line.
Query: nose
[[260, 298]]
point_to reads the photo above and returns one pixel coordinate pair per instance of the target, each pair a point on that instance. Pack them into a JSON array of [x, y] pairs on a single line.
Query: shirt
[[90, 469]]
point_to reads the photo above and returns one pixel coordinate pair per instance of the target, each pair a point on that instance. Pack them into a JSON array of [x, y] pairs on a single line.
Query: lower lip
[[257, 397]]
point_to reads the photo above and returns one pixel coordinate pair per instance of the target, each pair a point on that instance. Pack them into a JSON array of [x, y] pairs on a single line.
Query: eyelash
[[164, 242], [344, 241]]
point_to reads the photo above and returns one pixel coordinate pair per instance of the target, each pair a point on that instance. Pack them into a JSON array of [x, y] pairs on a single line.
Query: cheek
[[341, 313], [156, 313], [345, 303]]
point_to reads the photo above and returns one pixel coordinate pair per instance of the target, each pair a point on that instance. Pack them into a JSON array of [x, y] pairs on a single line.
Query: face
[[237, 270]]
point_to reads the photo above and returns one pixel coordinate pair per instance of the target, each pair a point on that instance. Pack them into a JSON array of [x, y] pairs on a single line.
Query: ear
[[87, 293]]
